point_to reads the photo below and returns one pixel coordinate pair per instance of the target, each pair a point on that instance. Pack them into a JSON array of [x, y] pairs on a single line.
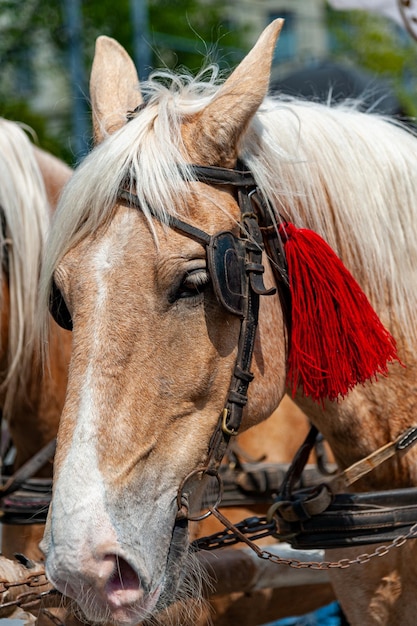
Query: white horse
[[154, 347]]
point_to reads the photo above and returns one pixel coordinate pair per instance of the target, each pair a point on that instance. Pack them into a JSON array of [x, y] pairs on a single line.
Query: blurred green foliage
[[182, 33], [34, 42], [20, 111], [379, 46]]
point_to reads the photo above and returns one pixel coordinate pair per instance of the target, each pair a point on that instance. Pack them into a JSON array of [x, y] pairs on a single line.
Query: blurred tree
[[34, 42], [181, 32], [35, 38], [377, 44]]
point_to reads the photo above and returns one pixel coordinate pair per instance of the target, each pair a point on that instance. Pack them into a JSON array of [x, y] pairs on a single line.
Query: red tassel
[[337, 339]]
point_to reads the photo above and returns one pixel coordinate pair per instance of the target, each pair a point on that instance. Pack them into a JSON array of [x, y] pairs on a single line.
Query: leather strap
[[173, 222], [356, 471], [231, 416], [298, 463], [224, 176], [298, 506], [29, 469], [354, 519]]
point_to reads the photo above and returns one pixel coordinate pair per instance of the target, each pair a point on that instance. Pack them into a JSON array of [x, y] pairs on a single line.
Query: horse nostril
[[123, 580]]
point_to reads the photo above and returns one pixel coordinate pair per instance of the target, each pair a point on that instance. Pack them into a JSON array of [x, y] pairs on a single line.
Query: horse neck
[[55, 174], [31, 398], [38, 406]]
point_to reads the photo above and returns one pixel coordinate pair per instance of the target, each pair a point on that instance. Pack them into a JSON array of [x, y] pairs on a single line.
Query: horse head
[[154, 348]]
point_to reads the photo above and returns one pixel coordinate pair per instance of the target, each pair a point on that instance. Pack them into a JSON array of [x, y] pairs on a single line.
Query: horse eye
[[58, 308], [193, 284]]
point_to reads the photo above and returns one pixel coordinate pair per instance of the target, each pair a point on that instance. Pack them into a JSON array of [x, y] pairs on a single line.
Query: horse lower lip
[[127, 609], [128, 614]]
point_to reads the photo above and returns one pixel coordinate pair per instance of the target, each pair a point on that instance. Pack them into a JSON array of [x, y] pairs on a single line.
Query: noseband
[[236, 271]]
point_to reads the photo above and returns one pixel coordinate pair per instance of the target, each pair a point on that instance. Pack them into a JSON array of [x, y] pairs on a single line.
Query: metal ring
[[208, 472]]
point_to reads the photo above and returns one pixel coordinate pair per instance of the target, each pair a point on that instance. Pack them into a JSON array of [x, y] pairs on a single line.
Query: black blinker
[[226, 265]]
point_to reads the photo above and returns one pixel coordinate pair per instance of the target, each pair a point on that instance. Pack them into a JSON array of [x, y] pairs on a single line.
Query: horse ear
[[114, 87], [217, 129]]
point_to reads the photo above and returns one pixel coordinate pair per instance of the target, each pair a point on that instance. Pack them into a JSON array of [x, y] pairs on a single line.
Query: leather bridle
[[235, 267], [236, 270]]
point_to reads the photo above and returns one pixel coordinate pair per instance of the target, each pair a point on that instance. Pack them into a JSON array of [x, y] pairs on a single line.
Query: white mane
[[348, 175], [25, 208]]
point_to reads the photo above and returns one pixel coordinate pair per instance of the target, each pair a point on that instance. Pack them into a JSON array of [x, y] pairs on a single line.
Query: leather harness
[[308, 517]]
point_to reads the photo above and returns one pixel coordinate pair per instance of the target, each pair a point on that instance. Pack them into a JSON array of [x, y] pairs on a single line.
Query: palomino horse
[[31, 397], [155, 305], [32, 181]]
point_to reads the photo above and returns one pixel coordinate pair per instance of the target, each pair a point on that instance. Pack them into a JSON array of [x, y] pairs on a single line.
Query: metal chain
[[259, 527], [31, 580], [361, 559], [255, 527], [29, 599]]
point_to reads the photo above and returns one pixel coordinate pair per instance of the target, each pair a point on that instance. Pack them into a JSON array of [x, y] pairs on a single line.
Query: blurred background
[[46, 50]]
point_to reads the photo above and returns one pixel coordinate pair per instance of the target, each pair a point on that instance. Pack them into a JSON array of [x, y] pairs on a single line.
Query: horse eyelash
[[195, 281], [200, 278]]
